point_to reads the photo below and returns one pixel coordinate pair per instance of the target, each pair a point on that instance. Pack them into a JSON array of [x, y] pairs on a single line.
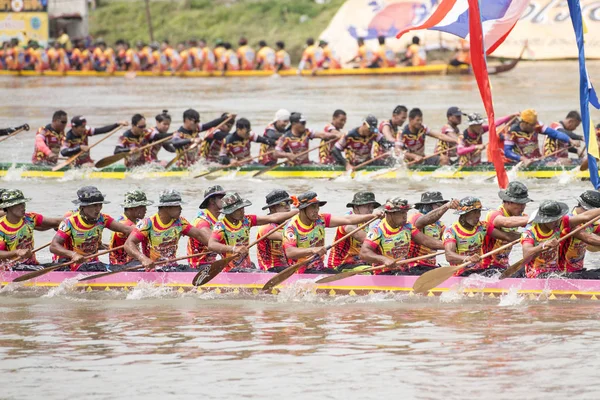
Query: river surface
[[157, 343]]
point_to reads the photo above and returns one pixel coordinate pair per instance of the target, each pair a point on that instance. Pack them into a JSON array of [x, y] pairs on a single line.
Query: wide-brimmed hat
[[550, 211], [277, 196], [362, 198], [89, 195], [170, 198], [232, 202], [469, 204], [12, 197], [431, 198], [516, 192], [475, 119], [216, 190], [589, 199], [136, 198], [306, 199], [396, 204]]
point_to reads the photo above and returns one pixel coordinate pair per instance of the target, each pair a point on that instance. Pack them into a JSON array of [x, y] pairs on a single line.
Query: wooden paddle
[[205, 275], [233, 164], [16, 261], [138, 266], [271, 168], [291, 270], [514, 268], [364, 164], [408, 164], [106, 161], [400, 261], [76, 156], [435, 277], [35, 274], [16, 132]]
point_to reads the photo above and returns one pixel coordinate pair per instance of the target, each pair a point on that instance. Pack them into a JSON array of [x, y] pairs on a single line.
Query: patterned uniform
[[269, 253], [19, 236], [498, 260], [211, 146], [131, 141], [434, 231], [188, 154], [357, 148], [301, 236], [390, 242], [204, 219], [152, 153], [379, 150], [325, 147], [237, 148], [525, 144], [551, 145], [160, 241], [282, 59], [468, 242], [347, 251], [414, 143], [71, 140], [296, 144], [83, 238], [247, 57], [466, 140], [266, 58], [547, 260], [227, 233], [572, 250], [117, 239], [312, 56], [443, 146], [273, 133], [47, 143]]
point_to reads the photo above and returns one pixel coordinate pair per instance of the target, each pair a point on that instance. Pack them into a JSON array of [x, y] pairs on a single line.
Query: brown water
[[156, 343]]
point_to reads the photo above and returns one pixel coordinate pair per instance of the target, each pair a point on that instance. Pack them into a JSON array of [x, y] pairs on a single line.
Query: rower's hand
[[123, 123], [574, 143], [480, 147], [53, 157], [390, 263], [232, 116], [453, 204], [134, 150], [84, 148], [349, 167], [474, 259], [240, 250], [148, 264], [379, 213], [319, 251], [234, 164], [526, 161], [197, 140], [23, 253], [291, 157], [550, 244], [77, 258]]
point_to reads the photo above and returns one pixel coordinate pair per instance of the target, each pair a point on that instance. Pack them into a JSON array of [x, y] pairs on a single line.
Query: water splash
[[455, 294], [303, 290], [76, 174], [149, 290], [65, 287], [13, 174], [511, 298]]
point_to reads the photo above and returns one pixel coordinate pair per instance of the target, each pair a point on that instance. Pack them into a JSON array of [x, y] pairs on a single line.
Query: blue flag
[[587, 94]]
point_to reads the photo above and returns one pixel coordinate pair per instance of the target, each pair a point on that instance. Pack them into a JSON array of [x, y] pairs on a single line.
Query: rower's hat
[[78, 120], [396, 204], [475, 119], [12, 197], [589, 199], [232, 202], [529, 116], [515, 192], [550, 211], [362, 198], [306, 199], [469, 204], [276, 197], [431, 198], [372, 123], [282, 115], [136, 198], [216, 190], [89, 195], [297, 117], [170, 198], [454, 111]]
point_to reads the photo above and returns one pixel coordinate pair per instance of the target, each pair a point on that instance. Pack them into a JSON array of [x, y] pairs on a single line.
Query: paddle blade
[[204, 173], [513, 269], [35, 274], [340, 276], [170, 163], [62, 165], [433, 278], [265, 170], [584, 165], [284, 275], [207, 274], [106, 161]]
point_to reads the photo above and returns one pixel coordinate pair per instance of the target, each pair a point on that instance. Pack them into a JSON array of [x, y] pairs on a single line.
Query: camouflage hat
[[306, 199], [89, 195], [469, 204], [12, 197], [210, 192], [589, 199], [136, 198], [516, 192], [475, 119], [170, 198], [362, 198], [232, 202], [431, 198], [396, 204], [549, 211]]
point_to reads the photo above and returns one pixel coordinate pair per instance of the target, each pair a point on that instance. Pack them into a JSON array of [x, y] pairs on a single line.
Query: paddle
[[205, 275], [16, 261], [35, 274], [233, 164], [271, 168], [138, 266], [514, 268], [16, 132], [364, 164], [433, 278], [400, 261], [291, 270], [76, 156], [437, 153], [106, 161], [460, 167]]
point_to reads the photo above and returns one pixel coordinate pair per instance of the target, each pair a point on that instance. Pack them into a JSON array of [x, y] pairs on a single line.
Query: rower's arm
[[387, 133], [57, 246], [554, 134], [510, 222], [583, 217], [504, 236], [296, 253], [213, 123], [69, 151], [451, 255], [359, 235], [333, 135], [443, 138], [422, 239], [432, 216], [120, 228], [276, 218], [179, 143], [588, 238], [121, 149], [218, 247], [353, 219], [132, 247], [48, 223], [201, 235], [370, 256], [509, 153], [106, 129]]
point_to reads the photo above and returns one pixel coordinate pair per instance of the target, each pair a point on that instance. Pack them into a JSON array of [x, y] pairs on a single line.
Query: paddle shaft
[[234, 164], [12, 134], [431, 156], [271, 168], [76, 156], [359, 166]]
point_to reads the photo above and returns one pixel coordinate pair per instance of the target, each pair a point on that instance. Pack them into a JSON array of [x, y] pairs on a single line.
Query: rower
[[269, 252], [265, 57], [391, 129], [412, 139], [572, 250], [311, 56], [329, 60], [540, 239], [521, 144], [391, 238], [2, 213], [132, 139], [207, 58], [231, 235], [338, 121], [48, 140], [464, 239], [246, 55], [454, 116], [427, 220], [207, 217], [229, 60], [236, 146], [189, 134], [282, 58], [80, 234], [364, 55], [346, 254], [210, 149], [567, 126], [507, 218], [296, 140], [304, 235], [160, 233], [76, 139], [159, 132], [134, 209], [358, 142], [16, 232], [8, 131], [415, 55], [384, 56], [274, 130]]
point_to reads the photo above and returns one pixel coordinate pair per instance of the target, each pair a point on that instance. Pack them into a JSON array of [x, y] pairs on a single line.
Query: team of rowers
[[222, 229], [398, 138]]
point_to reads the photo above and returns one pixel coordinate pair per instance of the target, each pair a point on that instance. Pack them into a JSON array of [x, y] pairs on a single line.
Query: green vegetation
[[269, 20]]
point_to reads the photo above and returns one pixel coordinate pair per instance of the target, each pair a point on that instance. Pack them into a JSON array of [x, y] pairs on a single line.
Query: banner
[[24, 26], [545, 24]]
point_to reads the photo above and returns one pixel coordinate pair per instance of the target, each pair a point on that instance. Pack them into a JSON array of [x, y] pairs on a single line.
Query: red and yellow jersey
[[132, 60], [553, 145], [525, 144], [204, 220], [548, 260], [19, 236], [414, 143], [357, 148], [226, 232], [365, 56], [117, 239], [434, 231], [265, 57], [390, 242], [386, 56], [131, 141], [47, 143], [416, 55], [572, 250], [312, 56], [81, 237], [330, 58], [296, 144], [237, 148], [442, 146], [230, 61], [379, 150], [347, 251], [296, 234], [189, 154], [208, 59], [269, 253], [283, 60], [272, 132], [326, 147], [247, 57], [160, 241], [468, 242], [210, 148], [468, 139], [501, 259]]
